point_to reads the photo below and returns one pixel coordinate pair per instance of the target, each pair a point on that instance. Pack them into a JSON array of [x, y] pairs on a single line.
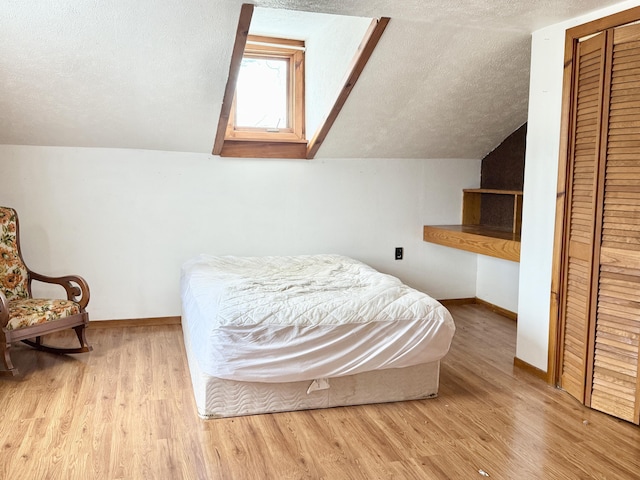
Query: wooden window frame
[[292, 51], [269, 148]]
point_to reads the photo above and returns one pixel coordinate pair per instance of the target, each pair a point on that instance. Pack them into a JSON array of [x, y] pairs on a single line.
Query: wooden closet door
[[614, 376], [580, 229]]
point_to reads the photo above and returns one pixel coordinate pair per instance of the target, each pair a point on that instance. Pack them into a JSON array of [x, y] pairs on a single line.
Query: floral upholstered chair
[[26, 319]]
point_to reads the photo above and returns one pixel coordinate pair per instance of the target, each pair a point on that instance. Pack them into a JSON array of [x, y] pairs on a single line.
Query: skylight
[[272, 100]]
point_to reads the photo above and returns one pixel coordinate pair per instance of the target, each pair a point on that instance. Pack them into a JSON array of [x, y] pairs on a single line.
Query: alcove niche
[[492, 214]]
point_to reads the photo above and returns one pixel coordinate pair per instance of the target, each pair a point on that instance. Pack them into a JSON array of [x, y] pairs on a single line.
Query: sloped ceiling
[[447, 80]]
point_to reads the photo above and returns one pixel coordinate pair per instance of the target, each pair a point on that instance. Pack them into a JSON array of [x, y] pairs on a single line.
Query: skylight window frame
[[278, 49], [269, 148]]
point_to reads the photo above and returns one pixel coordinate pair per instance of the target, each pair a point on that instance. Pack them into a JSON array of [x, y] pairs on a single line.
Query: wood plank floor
[[125, 411]]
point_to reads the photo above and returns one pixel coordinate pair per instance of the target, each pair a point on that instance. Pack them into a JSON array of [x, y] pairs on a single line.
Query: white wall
[[127, 219], [497, 282], [330, 51], [540, 185]]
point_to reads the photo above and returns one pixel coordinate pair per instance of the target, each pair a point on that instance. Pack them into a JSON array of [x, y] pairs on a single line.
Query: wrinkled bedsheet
[[287, 319]]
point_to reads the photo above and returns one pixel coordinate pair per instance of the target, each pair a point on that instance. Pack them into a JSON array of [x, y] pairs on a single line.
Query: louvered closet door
[[585, 144], [615, 382]]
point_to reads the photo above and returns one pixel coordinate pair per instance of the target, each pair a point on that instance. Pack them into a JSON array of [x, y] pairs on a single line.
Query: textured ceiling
[[447, 80]]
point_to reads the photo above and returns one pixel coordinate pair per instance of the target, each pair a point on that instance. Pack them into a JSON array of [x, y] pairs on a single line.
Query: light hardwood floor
[[126, 411]]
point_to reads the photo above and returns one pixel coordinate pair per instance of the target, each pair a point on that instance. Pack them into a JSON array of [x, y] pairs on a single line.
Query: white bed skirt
[[218, 398]]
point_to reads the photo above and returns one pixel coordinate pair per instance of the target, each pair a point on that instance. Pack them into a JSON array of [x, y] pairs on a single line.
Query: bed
[[273, 334]]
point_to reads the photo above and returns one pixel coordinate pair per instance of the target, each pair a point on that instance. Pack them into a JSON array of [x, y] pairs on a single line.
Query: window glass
[[261, 93]]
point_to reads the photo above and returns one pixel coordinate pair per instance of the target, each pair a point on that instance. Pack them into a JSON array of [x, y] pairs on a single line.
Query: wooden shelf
[[472, 202], [481, 239], [476, 236]]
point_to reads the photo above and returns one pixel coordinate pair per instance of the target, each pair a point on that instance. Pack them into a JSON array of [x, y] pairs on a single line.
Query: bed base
[[220, 398]]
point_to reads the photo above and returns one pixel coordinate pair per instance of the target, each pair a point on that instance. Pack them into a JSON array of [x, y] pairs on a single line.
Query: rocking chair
[[27, 319]]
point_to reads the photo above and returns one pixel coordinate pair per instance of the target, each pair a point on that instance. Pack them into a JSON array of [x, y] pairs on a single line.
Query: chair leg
[[80, 333], [9, 370]]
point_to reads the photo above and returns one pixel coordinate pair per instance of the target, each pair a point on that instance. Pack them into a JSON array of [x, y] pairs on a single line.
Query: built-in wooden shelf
[[478, 237], [472, 207]]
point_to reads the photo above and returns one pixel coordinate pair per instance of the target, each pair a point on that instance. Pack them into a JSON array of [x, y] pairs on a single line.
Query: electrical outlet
[[399, 253]]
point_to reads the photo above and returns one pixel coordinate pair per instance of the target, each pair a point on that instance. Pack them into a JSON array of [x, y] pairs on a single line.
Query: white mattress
[[292, 319]]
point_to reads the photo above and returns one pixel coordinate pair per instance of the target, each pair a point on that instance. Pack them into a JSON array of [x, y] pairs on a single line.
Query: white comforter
[[286, 319]]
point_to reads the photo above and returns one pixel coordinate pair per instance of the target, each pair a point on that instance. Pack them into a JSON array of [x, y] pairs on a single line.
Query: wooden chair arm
[[76, 287], [4, 310]]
